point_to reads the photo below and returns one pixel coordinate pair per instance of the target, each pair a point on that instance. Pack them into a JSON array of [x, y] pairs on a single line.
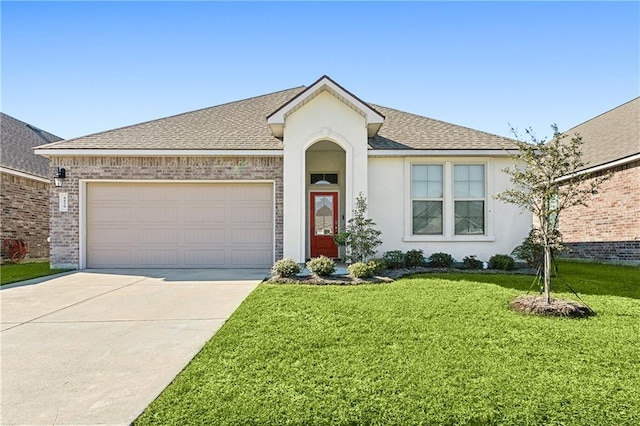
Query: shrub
[[502, 261], [378, 265], [361, 237], [361, 270], [286, 267], [470, 262], [341, 238], [531, 250], [322, 266], [394, 259], [440, 260], [414, 258]]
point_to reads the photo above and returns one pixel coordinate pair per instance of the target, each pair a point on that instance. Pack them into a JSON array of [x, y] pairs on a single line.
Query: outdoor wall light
[[62, 173]]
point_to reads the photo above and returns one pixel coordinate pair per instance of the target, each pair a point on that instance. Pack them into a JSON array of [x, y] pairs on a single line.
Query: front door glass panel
[[323, 206]]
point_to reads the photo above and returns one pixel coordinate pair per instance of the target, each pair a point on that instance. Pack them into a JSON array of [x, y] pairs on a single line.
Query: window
[[427, 199], [447, 200], [324, 178], [468, 194]]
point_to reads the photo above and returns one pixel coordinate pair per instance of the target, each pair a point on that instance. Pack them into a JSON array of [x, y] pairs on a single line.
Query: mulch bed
[[387, 276], [537, 305]]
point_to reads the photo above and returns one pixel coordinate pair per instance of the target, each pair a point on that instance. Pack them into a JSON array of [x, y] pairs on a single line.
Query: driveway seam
[[73, 304], [127, 320]]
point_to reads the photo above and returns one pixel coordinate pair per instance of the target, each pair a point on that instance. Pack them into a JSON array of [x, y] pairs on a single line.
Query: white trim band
[[441, 153], [24, 175], [159, 152]]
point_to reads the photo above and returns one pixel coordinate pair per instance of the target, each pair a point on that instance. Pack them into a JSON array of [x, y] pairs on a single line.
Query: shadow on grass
[[583, 278]]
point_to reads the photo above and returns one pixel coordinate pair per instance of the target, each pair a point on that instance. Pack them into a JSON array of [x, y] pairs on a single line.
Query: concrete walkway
[[98, 346]]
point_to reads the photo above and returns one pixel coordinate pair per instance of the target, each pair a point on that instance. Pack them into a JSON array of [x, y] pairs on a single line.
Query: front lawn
[[13, 272], [422, 350]]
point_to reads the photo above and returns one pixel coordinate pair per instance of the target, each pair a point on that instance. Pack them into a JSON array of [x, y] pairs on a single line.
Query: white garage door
[[179, 225]]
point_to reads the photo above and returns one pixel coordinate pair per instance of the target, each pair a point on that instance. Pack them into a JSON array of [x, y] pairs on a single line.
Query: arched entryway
[[325, 183]]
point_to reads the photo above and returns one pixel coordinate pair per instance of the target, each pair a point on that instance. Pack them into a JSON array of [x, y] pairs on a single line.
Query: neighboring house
[[248, 182], [609, 227], [24, 185]]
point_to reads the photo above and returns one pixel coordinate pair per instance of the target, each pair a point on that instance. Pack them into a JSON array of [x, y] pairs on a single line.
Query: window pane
[[468, 181], [427, 217], [469, 217], [420, 189], [323, 219], [426, 181], [476, 189]]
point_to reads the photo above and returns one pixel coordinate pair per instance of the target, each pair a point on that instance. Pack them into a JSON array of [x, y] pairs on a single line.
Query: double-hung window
[[468, 194], [448, 200], [427, 200]]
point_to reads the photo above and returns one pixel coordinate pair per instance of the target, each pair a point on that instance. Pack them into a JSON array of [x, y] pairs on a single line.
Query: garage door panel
[[157, 214], [251, 236], [204, 236], [110, 235], [157, 257], [204, 258], [251, 214], [157, 236], [188, 225], [249, 257], [205, 214], [112, 257]]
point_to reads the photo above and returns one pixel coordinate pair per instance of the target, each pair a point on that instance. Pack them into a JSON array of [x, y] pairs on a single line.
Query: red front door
[[324, 223]]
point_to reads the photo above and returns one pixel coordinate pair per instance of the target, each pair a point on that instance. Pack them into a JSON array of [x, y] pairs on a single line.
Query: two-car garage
[[179, 225]]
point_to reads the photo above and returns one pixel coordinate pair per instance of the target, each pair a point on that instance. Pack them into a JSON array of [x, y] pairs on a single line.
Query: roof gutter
[[602, 167], [53, 152], [442, 152], [24, 175]]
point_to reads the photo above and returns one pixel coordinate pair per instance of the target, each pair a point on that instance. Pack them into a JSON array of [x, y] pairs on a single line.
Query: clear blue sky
[[75, 68]]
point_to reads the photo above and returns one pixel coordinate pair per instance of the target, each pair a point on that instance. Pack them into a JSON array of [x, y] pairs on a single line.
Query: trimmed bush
[[322, 266], [414, 258], [361, 270], [441, 260], [531, 250], [286, 267], [394, 259], [502, 261], [470, 262], [378, 265]]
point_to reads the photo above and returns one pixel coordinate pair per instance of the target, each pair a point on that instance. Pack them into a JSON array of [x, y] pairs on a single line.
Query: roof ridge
[[603, 113], [50, 145]]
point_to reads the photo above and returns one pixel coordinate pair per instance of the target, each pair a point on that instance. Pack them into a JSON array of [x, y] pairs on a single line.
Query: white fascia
[[601, 167], [53, 152], [373, 119], [441, 153], [24, 175]]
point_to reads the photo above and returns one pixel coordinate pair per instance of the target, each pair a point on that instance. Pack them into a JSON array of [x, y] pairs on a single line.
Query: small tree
[[362, 238], [547, 181]]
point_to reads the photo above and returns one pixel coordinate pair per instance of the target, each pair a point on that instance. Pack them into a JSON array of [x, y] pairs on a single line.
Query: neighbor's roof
[[17, 140], [242, 125], [611, 136]]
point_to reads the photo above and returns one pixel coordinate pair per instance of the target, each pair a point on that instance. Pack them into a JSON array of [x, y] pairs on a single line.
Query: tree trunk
[[547, 273]]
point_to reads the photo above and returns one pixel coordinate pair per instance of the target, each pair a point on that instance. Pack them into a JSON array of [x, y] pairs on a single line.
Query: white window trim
[[448, 200]]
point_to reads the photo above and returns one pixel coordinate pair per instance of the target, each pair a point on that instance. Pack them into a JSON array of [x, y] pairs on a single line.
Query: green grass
[[422, 350], [13, 272]]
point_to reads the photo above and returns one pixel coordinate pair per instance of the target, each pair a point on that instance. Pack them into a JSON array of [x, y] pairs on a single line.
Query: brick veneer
[[65, 246], [25, 213], [609, 228]]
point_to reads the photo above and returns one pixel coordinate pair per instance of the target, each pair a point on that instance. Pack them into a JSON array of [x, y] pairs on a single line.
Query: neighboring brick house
[[24, 185], [609, 227]]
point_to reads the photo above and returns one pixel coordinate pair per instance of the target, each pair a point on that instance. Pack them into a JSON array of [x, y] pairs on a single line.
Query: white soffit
[[372, 117]]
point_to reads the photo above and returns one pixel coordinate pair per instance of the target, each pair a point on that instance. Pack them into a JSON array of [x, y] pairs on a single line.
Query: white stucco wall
[[324, 117], [390, 207]]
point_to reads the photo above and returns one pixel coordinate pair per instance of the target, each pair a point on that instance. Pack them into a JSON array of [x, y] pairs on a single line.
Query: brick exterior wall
[[609, 228], [65, 231], [25, 213]]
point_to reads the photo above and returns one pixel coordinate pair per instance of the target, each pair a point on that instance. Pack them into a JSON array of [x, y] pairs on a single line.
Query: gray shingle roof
[[610, 136], [17, 139], [243, 125]]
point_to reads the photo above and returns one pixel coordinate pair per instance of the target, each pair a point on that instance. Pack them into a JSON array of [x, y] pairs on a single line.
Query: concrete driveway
[[98, 346]]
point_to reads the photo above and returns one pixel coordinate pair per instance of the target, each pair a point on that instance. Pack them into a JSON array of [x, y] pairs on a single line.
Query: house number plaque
[[64, 201]]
